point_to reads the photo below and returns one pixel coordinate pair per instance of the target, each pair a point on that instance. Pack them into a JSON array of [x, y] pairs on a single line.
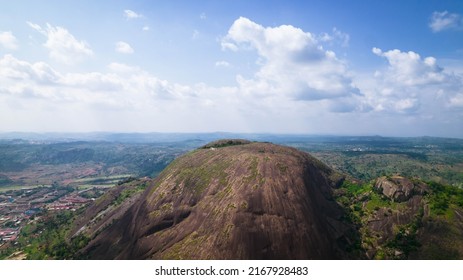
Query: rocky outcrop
[[239, 200], [399, 189]]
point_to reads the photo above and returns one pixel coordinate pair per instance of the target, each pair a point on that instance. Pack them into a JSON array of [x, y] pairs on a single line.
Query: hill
[[236, 199], [227, 200]]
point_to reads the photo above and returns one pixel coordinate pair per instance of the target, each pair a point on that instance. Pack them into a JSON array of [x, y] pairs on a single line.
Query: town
[[24, 206]]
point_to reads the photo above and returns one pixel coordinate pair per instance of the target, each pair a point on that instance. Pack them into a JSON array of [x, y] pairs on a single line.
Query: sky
[[325, 67]]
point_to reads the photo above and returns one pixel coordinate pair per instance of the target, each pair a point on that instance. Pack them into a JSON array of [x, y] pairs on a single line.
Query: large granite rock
[[399, 189]]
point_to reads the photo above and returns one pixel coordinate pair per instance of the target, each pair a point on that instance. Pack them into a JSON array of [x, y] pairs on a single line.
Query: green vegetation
[[437, 161], [4, 180], [282, 167], [225, 143], [376, 201], [129, 192], [405, 240], [376, 218], [196, 177], [82, 163], [15, 187], [366, 158], [186, 247], [443, 198], [354, 189], [48, 239]]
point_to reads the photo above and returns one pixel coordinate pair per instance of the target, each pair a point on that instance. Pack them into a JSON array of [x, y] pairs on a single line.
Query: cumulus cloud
[[8, 40], [119, 98], [412, 84], [444, 20], [294, 63], [299, 86], [123, 47], [408, 68], [62, 45], [122, 85], [43, 81], [129, 14], [40, 72]]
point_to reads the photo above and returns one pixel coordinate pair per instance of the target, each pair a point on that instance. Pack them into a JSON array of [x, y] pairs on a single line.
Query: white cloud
[[336, 36], [222, 63], [36, 27], [127, 84], [228, 46], [444, 20], [456, 101], [121, 98], [294, 63], [14, 69], [408, 68], [146, 28], [406, 105], [129, 14], [123, 47], [62, 45], [411, 85], [203, 16], [8, 40], [299, 86], [122, 68]]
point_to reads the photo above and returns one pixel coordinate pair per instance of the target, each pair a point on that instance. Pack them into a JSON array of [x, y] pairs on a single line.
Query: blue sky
[[315, 67]]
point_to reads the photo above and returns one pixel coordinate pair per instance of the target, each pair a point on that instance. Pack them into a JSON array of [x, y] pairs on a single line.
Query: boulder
[[397, 188]]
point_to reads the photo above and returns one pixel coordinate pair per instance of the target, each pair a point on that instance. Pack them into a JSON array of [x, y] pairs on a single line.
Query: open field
[[102, 181], [10, 188]]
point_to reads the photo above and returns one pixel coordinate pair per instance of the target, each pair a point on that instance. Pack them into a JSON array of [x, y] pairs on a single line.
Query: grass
[[113, 177], [361, 203], [406, 239], [254, 175], [282, 167], [128, 192], [10, 188], [197, 176], [185, 249], [356, 189], [443, 198], [83, 183], [376, 202], [226, 143]]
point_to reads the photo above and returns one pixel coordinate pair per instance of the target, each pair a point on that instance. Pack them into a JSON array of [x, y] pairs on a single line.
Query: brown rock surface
[[398, 189], [249, 201]]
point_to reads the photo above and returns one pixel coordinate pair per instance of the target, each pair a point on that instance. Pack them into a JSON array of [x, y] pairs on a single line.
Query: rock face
[[238, 201], [398, 189]]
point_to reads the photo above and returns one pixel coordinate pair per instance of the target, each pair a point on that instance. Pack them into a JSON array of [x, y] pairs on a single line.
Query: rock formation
[[231, 200]]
